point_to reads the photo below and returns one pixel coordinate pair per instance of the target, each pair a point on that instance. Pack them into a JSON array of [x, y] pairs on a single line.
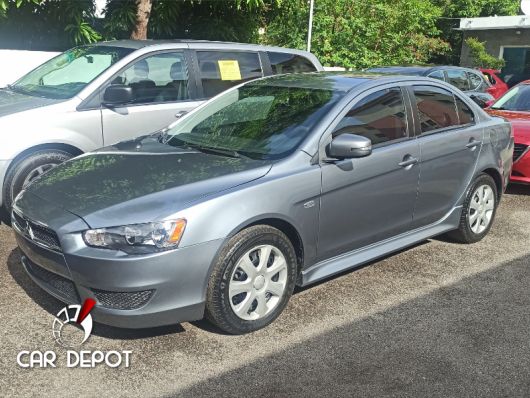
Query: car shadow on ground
[[518, 189], [469, 338], [51, 305]]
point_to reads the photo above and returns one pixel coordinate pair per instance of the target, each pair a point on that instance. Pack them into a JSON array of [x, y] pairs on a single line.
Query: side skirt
[[358, 257]]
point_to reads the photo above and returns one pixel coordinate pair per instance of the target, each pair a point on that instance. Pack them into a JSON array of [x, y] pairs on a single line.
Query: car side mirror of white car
[[118, 94]]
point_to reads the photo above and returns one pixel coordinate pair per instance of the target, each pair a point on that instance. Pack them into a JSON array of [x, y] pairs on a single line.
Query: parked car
[[498, 86], [470, 81], [282, 181], [515, 107], [101, 94]]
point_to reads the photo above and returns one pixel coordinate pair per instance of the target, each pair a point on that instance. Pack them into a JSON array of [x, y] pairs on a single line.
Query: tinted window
[[475, 80], [158, 78], [290, 63], [490, 78], [257, 120], [458, 78], [438, 74], [379, 116], [220, 70], [436, 108], [465, 114]]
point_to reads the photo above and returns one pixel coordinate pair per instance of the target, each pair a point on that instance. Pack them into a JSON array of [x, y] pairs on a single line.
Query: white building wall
[[15, 63]]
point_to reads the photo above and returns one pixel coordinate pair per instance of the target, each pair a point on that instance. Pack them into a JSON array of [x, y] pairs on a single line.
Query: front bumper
[[130, 291], [521, 166]]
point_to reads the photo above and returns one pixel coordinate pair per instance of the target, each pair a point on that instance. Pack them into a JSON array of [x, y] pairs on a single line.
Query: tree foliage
[[480, 57], [359, 34]]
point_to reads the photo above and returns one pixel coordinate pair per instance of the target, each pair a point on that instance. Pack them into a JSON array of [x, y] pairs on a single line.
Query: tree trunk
[[143, 12]]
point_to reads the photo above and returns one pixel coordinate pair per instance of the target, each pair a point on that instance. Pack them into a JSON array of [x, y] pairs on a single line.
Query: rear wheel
[[478, 211], [26, 170], [252, 280]]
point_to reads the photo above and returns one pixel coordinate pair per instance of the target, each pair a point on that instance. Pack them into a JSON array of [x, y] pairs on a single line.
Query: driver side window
[[380, 116], [157, 79]]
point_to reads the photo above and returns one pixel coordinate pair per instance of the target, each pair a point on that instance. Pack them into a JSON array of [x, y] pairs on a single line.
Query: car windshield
[[67, 74], [517, 99], [258, 120]]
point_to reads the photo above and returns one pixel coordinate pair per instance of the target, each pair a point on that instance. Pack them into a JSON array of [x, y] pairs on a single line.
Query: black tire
[[17, 173], [464, 233], [218, 307]]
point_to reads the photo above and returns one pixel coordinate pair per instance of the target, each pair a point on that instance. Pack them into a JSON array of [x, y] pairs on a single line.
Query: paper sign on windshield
[[229, 70]]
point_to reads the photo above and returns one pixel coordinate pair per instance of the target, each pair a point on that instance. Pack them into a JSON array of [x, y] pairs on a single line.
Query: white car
[[101, 94]]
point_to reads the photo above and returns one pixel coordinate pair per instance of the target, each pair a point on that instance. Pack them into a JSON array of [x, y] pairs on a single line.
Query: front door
[[161, 93], [370, 199], [450, 144]]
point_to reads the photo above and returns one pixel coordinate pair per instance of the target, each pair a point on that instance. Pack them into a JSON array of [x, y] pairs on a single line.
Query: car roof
[[335, 81], [138, 44], [416, 70]]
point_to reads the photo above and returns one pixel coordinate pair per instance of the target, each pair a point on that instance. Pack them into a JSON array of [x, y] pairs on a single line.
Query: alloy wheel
[[258, 282], [37, 172], [481, 209]]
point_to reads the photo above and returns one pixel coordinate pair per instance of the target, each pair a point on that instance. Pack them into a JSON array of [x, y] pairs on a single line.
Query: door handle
[[473, 143], [408, 162]]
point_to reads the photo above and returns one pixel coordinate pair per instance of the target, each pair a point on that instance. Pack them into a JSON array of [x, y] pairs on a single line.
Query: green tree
[[359, 34], [481, 58]]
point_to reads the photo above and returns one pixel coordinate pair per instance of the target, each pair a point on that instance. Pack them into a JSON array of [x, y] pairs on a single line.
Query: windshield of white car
[[517, 99], [257, 120], [64, 76]]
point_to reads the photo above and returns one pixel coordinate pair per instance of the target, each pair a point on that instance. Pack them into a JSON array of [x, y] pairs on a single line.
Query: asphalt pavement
[[439, 320]]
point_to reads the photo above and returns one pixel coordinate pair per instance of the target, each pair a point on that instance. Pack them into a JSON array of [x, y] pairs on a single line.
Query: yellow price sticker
[[229, 70]]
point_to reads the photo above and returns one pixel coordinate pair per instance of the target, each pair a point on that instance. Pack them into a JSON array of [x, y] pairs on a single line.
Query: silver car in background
[[97, 95], [281, 181]]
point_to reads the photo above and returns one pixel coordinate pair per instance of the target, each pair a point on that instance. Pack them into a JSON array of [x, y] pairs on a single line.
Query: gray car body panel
[[337, 209]]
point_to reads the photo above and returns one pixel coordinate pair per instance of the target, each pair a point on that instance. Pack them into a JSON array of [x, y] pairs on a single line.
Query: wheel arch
[[282, 225], [497, 177]]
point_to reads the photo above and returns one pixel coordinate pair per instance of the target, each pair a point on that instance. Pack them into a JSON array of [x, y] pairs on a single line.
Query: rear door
[[370, 199], [219, 70], [450, 143], [163, 88]]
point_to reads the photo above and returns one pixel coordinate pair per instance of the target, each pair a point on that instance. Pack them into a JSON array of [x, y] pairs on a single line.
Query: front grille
[[123, 300], [519, 151], [61, 285], [40, 234]]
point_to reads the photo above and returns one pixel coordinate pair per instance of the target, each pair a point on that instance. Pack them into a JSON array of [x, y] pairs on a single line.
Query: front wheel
[[478, 211], [252, 280], [27, 169]]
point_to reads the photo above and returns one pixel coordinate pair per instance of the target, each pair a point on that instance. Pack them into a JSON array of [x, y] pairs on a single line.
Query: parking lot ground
[[438, 320]]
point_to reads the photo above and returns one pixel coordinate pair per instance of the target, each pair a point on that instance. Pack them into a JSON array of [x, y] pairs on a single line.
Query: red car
[[498, 86], [515, 106]]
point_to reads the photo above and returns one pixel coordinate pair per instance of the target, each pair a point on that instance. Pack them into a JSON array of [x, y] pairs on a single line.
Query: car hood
[[520, 122], [12, 102], [119, 185]]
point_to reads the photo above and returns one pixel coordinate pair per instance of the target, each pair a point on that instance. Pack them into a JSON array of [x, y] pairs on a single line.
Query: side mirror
[[118, 94], [348, 146]]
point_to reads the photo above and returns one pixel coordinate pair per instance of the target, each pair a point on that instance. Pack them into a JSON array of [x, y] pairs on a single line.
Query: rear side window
[[290, 63], [465, 114], [458, 78], [220, 70], [437, 74], [475, 80], [436, 108], [379, 116]]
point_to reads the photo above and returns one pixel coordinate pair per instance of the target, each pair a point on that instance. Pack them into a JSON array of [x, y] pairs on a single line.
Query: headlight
[[138, 238]]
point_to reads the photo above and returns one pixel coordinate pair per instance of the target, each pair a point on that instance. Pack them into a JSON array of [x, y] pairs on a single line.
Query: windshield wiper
[[218, 151]]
